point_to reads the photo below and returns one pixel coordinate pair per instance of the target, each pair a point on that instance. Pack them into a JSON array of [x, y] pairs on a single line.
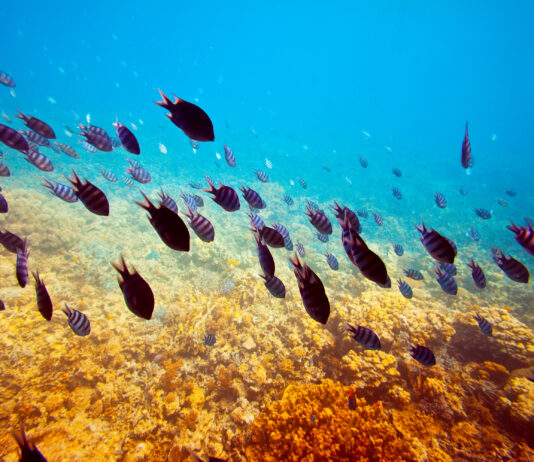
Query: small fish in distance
[[322, 237], [209, 340], [483, 213], [446, 282], [478, 275], [39, 160], [396, 193], [467, 160], [66, 149], [398, 249], [405, 289], [397, 172], [363, 162], [139, 174], [378, 219], [440, 200], [302, 183], [6, 79], [108, 175], [168, 201], [332, 261], [229, 156], [262, 176]]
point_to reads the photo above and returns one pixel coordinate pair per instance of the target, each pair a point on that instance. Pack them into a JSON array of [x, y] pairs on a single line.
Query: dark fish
[[66, 149], [513, 268], [139, 174], [326, 168], [209, 340], [300, 250], [210, 458], [4, 207], [92, 197], [288, 200], [302, 183], [405, 289], [11, 241], [352, 218], [502, 202], [256, 221], [477, 274], [28, 451], [322, 237], [467, 160], [319, 221], [264, 256], [439, 247], [473, 234], [398, 249], [108, 175], [97, 137], [484, 325], [44, 303], [6, 79], [352, 401], [229, 156], [168, 201], [170, 227], [440, 200], [446, 282], [253, 198], [282, 230], [462, 192], [396, 193], [195, 185], [524, 236], [271, 237], [311, 291], [483, 213], [362, 213], [137, 293], [2, 305], [225, 196], [201, 226], [423, 355], [78, 321], [127, 138], [386, 285], [378, 219], [38, 126], [189, 118], [275, 286], [449, 268], [397, 172], [13, 139], [4, 170], [22, 265], [365, 337], [332, 261], [510, 192], [39, 160], [262, 176], [363, 162]]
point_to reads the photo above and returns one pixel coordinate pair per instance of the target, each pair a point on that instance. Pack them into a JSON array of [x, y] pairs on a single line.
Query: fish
[[189, 201], [378, 219], [35, 138], [513, 268], [195, 185], [363, 162], [194, 145], [288, 244], [440, 200], [262, 176], [11, 241], [264, 256], [466, 159], [44, 303], [66, 149], [96, 137], [202, 227], [365, 337], [274, 285], [256, 221], [39, 160], [362, 213], [397, 172], [511, 192], [477, 274], [484, 325], [38, 126], [502, 202], [229, 156], [268, 163], [198, 200], [300, 250], [170, 227], [449, 268], [313, 206], [168, 201], [78, 321], [282, 230], [352, 218], [28, 451], [271, 237], [128, 181], [396, 193], [139, 174], [4, 206], [89, 148], [302, 183], [438, 246], [312, 291], [524, 236], [108, 175], [483, 213], [4, 170], [253, 198], [138, 295], [209, 340], [351, 401], [13, 139], [116, 143], [321, 237], [288, 200], [22, 265], [398, 249], [127, 138], [6, 79], [462, 191], [162, 148], [92, 197], [319, 221], [189, 118], [2, 305], [224, 195], [405, 289], [332, 261], [473, 234], [423, 355], [446, 282]]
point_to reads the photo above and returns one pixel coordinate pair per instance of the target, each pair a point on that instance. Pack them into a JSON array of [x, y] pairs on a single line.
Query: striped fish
[[282, 230], [195, 185], [365, 337], [271, 237], [363, 162], [300, 250], [127, 138], [397, 172], [268, 163], [66, 149], [189, 201], [199, 201], [4, 206], [4, 170], [108, 175], [168, 201], [209, 340], [446, 282], [88, 147], [449, 268], [524, 236], [288, 200], [362, 213], [502, 202], [396, 193], [288, 244], [11, 241], [201, 226], [134, 163], [275, 286], [139, 174], [92, 197], [78, 321], [302, 183], [13, 139], [513, 268], [466, 159], [483, 213], [253, 198], [22, 265], [398, 249], [484, 325], [322, 237], [342, 212], [332, 261], [318, 220], [405, 289], [7, 80], [264, 256], [44, 303], [312, 291], [60, 190], [439, 247], [37, 125], [94, 136], [423, 355], [256, 221], [129, 182], [229, 156], [313, 206], [440, 200], [39, 160], [262, 176], [378, 219], [225, 196], [473, 234], [35, 138]]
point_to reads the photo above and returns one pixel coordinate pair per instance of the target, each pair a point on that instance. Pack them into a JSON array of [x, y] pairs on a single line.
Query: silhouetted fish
[[6, 79], [4, 207], [477, 274], [439, 247], [342, 212], [28, 451], [483, 213], [38, 126], [189, 118], [312, 291], [127, 138], [467, 160], [319, 221], [2, 305], [195, 185], [275, 286], [510, 192], [398, 249], [13, 139], [524, 236], [229, 156], [44, 303], [253, 198], [446, 282], [170, 227], [397, 172], [405, 289], [440, 200], [513, 268], [502, 202], [22, 265], [11, 241], [484, 325], [139, 174], [264, 256], [423, 355], [462, 191], [78, 321], [363, 162], [225, 196], [449, 268], [210, 458], [365, 337], [92, 197], [201, 226], [137, 293], [396, 193]]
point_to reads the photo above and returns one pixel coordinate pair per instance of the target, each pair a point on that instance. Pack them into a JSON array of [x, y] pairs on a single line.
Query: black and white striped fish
[[473, 234], [78, 321], [224, 195], [438, 246], [423, 355], [4, 170], [66, 149], [300, 250], [483, 213], [318, 220], [256, 221], [362, 213], [288, 200], [11, 241], [39, 160], [478, 275], [88, 147], [35, 138], [202, 227], [332, 261], [484, 325], [365, 337], [253, 198], [302, 183], [209, 340], [440, 200], [446, 282], [398, 249], [449, 268], [189, 201], [168, 201], [513, 268], [288, 244], [92, 197], [282, 230], [322, 237], [199, 201], [128, 181], [60, 190], [342, 212], [396, 193], [405, 289], [275, 286], [262, 176], [363, 162], [127, 138], [22, 265], [110, 176], [229, 156], [134, 163], [271, 237], [378, 219], [139, 174]]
